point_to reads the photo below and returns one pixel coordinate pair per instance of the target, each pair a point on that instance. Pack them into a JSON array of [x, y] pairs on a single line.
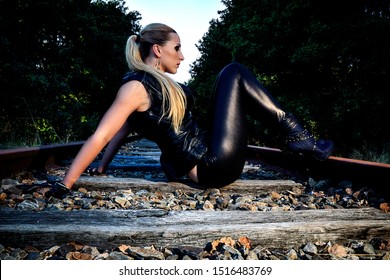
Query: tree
[[324, 61], [61, 63]]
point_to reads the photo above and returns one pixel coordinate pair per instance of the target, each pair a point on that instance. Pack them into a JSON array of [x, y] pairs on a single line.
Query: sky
[[190, 19]]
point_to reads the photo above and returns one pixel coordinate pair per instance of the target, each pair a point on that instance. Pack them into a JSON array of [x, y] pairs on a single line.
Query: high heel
[[300, 141]]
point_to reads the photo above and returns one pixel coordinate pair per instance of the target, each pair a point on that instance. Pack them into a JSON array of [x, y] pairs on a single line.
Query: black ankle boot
[[300, 141]]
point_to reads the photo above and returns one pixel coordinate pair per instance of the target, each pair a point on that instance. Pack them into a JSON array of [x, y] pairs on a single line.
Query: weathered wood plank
[[256, 187], [107, 229]]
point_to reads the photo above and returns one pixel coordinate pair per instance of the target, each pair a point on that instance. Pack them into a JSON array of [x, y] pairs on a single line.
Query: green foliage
[[61, 64], [372, 152], [325, 61]]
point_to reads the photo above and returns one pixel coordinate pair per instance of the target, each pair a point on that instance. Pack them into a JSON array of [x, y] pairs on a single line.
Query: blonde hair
[[138, 48]]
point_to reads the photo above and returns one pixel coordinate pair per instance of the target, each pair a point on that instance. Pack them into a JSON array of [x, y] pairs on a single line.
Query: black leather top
[[180, 151]]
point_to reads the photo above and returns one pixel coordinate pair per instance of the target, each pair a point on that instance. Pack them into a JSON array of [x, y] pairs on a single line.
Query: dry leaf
[[224, 240], [349, 191], [78, 256], [385, 207], [123, 248], [337, 250], [244, 241], [275, 195], [293, 200], [316, 194], [214, 245], [43, 190], [320, 243], [77, 245], [30, 249], [83, 190], [297, 191], [382, 246], [227, 241]]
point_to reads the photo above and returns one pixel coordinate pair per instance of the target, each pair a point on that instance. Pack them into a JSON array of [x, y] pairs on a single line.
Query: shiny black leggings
[[236, 94]]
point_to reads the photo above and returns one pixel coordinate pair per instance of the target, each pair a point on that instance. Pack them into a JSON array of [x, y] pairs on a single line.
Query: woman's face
[[171, 55]]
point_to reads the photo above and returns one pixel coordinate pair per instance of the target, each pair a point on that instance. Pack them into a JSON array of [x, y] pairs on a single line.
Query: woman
[[159, 109]]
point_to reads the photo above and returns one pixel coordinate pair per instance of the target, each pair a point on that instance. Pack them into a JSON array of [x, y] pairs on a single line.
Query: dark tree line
[[61, 63], [326, 61]]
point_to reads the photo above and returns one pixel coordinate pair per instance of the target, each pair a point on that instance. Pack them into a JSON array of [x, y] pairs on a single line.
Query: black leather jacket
[[180, 151]]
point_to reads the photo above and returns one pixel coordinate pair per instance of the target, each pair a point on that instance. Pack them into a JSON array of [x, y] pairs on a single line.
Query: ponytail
[[137, 49]]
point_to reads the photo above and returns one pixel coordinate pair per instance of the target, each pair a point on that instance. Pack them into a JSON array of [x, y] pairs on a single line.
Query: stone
[[172, 257], [28, 205], [41, 202], [7, 183], [93, 251], [65, 249], [208, 206], [386, 257], [147, 253], [337, 251], [18, 254], [118, 256], [252, 256], [5, 256], [17, 197], [96, 195], [100, 203], [121, 201], [352, 258], [310, 248], [142, 192], [292, 255], [34, 256], [103, 256], [82, 190], [369, 249], [234, 253], [57, 206]]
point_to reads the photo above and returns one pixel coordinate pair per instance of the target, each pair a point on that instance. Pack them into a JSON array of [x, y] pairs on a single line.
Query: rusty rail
[[334, 167], [33, 158], [165, 226], [40, 157]]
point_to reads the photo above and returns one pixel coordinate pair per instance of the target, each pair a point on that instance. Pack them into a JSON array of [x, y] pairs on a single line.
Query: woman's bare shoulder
[[134, 91]]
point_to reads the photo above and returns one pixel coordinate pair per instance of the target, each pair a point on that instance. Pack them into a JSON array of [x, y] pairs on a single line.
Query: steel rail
[[337, 168], [35, 158], [39, 157]]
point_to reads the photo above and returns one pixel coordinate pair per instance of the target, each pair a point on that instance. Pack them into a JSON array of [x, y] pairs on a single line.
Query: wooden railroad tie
[[157, 227]]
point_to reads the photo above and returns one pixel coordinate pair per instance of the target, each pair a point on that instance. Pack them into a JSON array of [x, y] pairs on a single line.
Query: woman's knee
[[217, 176]]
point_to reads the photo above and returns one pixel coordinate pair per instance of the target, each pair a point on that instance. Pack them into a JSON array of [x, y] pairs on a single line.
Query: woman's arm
[[131, 97], [112, 148]]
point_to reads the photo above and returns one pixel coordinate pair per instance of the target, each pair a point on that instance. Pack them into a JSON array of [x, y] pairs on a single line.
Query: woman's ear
[[156, 50]]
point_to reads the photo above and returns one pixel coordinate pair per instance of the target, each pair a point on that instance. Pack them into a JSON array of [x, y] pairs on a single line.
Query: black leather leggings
[[236, 94]]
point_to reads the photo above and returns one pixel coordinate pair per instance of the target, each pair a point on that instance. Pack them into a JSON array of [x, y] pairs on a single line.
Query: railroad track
[[263, 205], [374, 174]]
